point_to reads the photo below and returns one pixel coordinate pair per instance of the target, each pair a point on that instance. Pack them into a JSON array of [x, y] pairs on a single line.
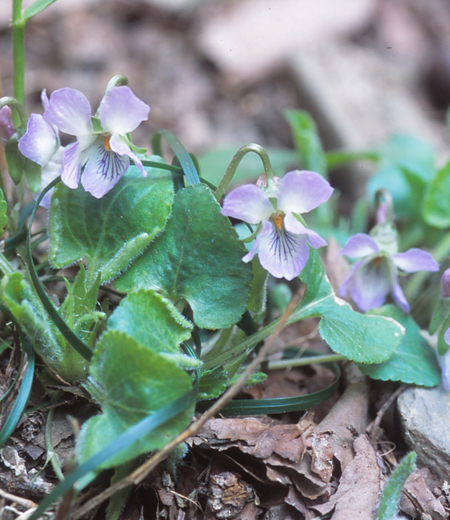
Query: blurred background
[[220, 73]]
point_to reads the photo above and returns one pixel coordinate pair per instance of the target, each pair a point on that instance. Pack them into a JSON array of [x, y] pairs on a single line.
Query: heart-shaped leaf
[[131, 382], [198, 258], [110, 232]]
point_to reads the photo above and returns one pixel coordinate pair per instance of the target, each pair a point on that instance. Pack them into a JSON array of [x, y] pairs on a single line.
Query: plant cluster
[[186, 273]]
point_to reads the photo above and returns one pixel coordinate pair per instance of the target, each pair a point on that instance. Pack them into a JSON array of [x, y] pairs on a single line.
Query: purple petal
[[447, 336], [399, 296], [44, 99], [445, 284], [371, 283], [118, 145], [49, 172], [415, 260], [293, 225], [359, 246], [343, 288], [71, 166], [103, 170], [7, 128], [248, 203], [266, 230], [302, 191], [283, 254], [121, 111], [40, 141], [70, 111], [444, 363]]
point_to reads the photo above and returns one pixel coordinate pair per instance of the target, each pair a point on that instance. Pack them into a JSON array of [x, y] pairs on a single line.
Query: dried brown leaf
[[417, 488]]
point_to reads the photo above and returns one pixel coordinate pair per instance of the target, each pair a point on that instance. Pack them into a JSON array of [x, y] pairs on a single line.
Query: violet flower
[[41, 144], [282, 239], [7, 128], [102, 146], [375, 274]]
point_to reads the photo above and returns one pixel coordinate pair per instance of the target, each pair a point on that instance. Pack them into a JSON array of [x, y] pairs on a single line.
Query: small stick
[[18, 500]]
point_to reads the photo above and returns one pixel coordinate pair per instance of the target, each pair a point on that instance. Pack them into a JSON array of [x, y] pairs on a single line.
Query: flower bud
[[445, 284], [7, 128]]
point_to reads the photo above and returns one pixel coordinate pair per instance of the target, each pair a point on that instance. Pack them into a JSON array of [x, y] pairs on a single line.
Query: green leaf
[[413, 362], [360, 337], [406, 167], [307, 141], [213, 383], [19, 165], [214, 163], [3, 210], [131, 382], [392, 490], [153, 322], [436, 210], [110, 232], [198, 258], [35, 8], [23, 304]]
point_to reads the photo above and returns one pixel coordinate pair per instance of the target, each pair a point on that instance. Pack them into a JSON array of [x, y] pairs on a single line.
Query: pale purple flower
[[445, 285], [103, 151], [444, 363], [7, 128], [282, 239], [40, 144], [375, 274]]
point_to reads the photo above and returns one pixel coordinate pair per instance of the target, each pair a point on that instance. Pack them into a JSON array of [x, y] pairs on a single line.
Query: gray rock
[[425, 415]]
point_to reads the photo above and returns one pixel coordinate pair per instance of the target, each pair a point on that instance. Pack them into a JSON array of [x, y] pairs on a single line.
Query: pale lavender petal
[[71, 166], [293, 225], [415, 260], [49, 172], [382, 213], [103, 170], [248, 203], [121, 111], [70, 111], [447, 336], [40, 141], [399, 296], [283, 254], [371, 284], [302, 191], [266, 230], [44, 99], [7, 128], [118, 145], [359, 246], [444, 363], [445, 284], [343, 288]]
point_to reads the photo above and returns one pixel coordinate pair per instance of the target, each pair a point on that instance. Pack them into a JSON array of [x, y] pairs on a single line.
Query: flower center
[[377, 261], [278, 218], [106, 139]]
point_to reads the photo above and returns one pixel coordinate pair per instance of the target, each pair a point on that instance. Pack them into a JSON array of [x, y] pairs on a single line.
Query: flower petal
[[103, 170], [371, 283], [444, 363], [248, 203], [121, 111], [71, 165], [415, 260], [283, 254], [359, 246], [302, 191], [118, 145], [266, 230], [343, 288], [44, 99], [70, 111], [293, 225], [49, 172], [40, 141], [399, 296]]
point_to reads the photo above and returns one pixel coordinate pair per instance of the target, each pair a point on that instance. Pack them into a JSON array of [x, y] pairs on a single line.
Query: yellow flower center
[[278, 218], [106, 139]]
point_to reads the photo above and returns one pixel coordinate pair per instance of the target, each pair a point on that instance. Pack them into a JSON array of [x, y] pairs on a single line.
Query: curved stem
[[240, 154], [304, 361]]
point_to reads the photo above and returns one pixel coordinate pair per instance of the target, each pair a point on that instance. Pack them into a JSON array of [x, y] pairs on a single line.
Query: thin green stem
[[304, 361], [5, 266], [336, 158], [52, 456], [18, 38], [240, 154]]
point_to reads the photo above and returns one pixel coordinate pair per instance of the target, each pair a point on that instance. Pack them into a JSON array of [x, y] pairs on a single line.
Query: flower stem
[[304, 361], [240, 154], [5, 266], [18, 38]]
